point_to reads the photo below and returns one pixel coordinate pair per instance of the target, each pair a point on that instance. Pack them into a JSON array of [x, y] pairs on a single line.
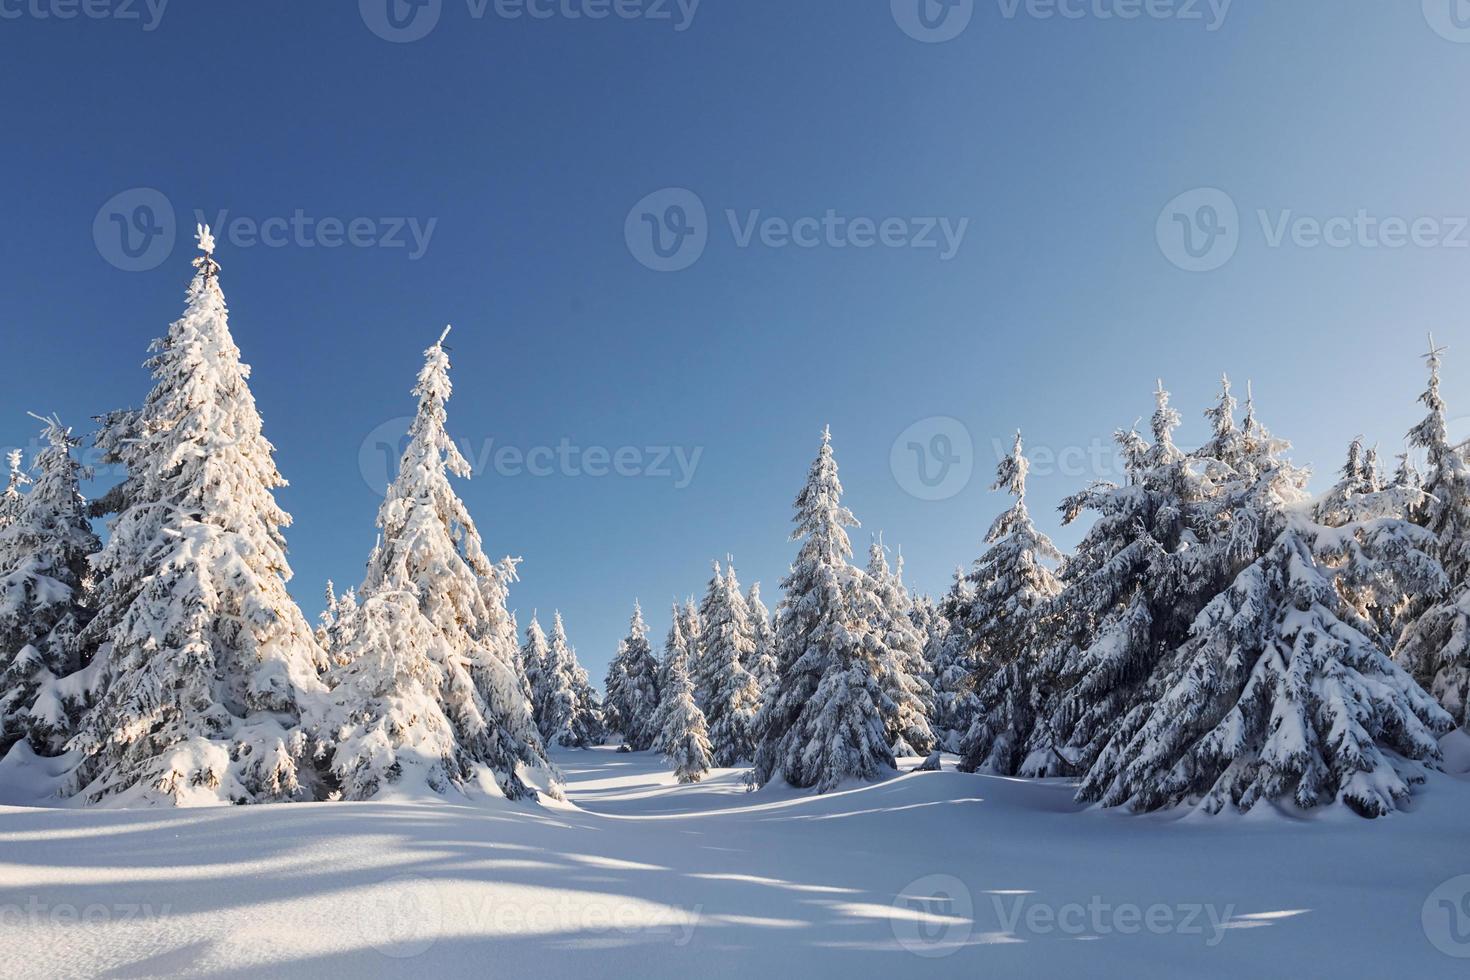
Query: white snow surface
[[927, 874]]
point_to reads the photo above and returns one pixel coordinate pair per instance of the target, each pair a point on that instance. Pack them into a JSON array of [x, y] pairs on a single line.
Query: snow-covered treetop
[[820, 516]]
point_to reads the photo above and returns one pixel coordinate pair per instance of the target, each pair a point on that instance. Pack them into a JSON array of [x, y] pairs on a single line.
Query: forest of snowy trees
[[1219, 638]]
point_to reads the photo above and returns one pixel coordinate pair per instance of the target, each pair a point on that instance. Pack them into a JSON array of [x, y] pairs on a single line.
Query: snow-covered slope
[[939, 874]]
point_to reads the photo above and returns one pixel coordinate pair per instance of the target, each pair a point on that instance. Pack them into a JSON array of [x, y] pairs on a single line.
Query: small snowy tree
[[203, 662], [763, 637], [729, 694], [14, 495], [898, 653], [44, 583], [1014, 586], [1435, 647], [536, 663], [676, 654], [632, 693], [683, 738], [952, 664], [573, 717], [823, 725]]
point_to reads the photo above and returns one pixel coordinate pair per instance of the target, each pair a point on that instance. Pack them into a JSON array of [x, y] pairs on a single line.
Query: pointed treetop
[[826, 435], [205, 262], [445, 335]]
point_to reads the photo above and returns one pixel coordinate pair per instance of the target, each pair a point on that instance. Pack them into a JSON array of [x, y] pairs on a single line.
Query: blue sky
[[1065, 155]]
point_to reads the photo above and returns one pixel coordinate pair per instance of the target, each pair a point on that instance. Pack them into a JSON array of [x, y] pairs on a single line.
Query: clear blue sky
[[529, 140]]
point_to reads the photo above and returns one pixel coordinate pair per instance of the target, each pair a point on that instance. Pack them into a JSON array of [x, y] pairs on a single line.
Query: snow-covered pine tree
[[693, 628], [1435, 647], [536, 664], [573, 714], [952, 664], [729, 694], [1282, 689], [763, 637], [14, 494], [45, 579], [429, 557], [683, 737], [1014, 586], [632, 692], [898, 652], [823, 725], [676, 652], [203, 663], [1154, 556]]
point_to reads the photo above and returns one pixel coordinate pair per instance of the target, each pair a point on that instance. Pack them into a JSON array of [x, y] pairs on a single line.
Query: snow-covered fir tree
[[536, 664], [952, 664], [824, 724], [1283, 690], [763, 638], [202, 662], [572, 716], [433, 596], [676, 654], [728, 692], [45, 579], [1435, 647], [897, 650], [683, 737], [1013, 584], [12, 497], [632, 694]]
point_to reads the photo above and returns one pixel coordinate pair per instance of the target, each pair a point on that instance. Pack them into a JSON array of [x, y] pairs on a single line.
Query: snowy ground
[[940, 874]]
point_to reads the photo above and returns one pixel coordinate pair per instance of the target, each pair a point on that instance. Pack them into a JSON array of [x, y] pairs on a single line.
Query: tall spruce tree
[[45, 580], [1435, 647], [676, 656], [573, 716], [683, 737], [763, 637], [202, 662], [1014, 586], [431, 595], [823, 725], [536, 663]]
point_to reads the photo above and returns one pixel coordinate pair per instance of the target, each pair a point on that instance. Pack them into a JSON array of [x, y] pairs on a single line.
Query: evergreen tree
[[823, 725], [729, 693], [632, 693], [1435, 647], [763, 638], [13, 497], [573, 716], [1014, 587], [45, 578], [898, 652], [429, 557], [536, 664], [676, 656], [1283, 690], [683, 738], [952, 664], [202, 663]]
